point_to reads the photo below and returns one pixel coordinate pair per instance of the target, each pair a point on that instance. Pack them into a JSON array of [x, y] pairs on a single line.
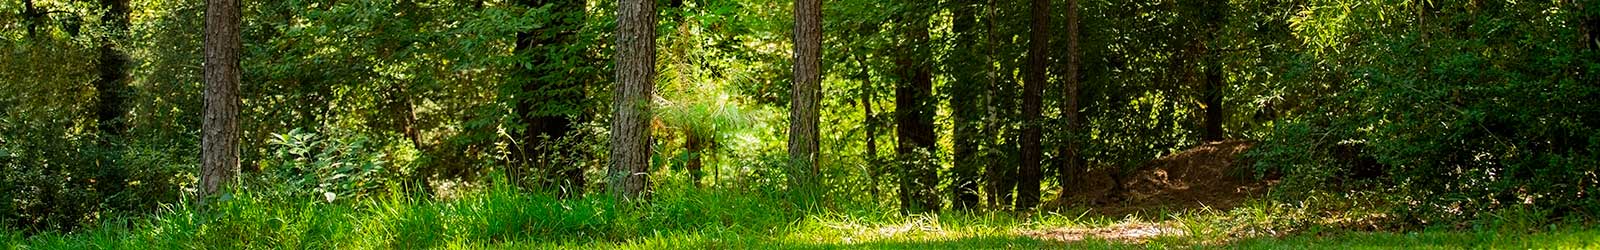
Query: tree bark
[[803, 117], [1033, 88], [219, 161], [630, 130], [1071, 161], [966, 107]]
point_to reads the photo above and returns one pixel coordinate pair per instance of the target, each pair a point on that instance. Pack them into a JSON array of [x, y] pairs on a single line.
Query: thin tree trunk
[[630, 130], [1214, 81], [870, 121], [696, 145], [219, 160], [966, 108], [1211, 97], [914, 110], [31, 17], [803, 117], [1072, 163], [1033, 89], [1002, 170]]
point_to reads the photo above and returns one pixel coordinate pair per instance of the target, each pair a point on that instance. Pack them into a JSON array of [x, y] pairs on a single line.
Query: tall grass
[[499, 217]]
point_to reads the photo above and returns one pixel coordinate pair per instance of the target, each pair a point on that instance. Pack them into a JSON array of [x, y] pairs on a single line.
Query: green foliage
[[1463, 109], [331, 168]]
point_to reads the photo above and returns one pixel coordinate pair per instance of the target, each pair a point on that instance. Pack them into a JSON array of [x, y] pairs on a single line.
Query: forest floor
[[1194, 199]]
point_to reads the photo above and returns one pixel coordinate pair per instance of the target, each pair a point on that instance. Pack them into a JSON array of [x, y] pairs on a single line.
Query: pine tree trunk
[[803, 117], [1029, 174], [630, 131], [1072, 162], [219, 153], [966, 107]]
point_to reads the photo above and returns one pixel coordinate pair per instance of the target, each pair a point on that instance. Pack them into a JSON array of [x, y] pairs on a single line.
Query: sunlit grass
[[499, 218]]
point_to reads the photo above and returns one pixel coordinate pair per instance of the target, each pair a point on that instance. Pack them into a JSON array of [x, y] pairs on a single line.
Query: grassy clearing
[[498, 218]]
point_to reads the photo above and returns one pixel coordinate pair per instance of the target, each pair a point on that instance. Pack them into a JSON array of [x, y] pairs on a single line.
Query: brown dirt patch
[[1137, 232], [1210, 175]]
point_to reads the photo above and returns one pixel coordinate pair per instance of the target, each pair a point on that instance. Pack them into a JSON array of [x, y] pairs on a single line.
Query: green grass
[[498, 218]]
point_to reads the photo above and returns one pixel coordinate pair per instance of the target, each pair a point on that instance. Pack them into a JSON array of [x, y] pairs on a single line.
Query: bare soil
[[1211, 175]]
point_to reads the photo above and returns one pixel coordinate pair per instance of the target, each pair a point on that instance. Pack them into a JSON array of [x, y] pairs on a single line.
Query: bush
[[328, 168]]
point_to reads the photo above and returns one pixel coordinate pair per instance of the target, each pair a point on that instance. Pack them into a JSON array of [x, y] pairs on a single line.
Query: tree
[[966, 106], [219, 152], [914, 111], [1032, 92], [803, 117], [630, 131], [1001, 173], [547, 96], [1071, 160], [1211, 18], [113, 62]]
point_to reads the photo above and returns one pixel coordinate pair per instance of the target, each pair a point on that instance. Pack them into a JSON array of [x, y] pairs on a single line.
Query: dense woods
[[1429, 114]]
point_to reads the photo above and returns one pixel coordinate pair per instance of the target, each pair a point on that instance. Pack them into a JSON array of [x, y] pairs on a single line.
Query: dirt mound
[[1208, 175]]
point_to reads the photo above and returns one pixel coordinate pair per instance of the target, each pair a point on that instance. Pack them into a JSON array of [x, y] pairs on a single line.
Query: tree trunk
[[966, 107], [1589, 23], [111, 85], [1213, 80], [803, 117], [630, 130], [914, 110], [1002, 170], [1033, 88], [1071, 161], [1211, 97], [697, 147], [31, 17], [219, 152], [870, 121]]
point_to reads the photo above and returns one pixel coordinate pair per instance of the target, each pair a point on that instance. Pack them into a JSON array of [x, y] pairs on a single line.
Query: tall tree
[[914, 110], [966, 105], [1001, 173], [1071, 161], [807, 88], [630, 123], [546, 98], [219, 152], [1211, 16], [109, 88], [1029, 174]]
